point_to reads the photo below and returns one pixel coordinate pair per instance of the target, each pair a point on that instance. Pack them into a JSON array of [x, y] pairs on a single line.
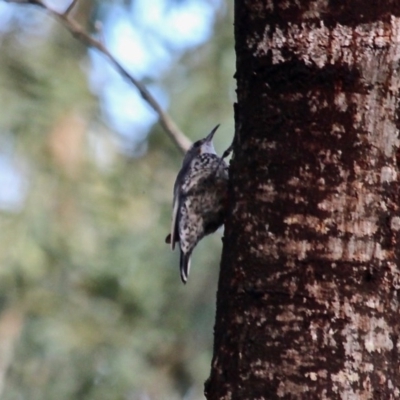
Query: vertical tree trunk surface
[[308, 299]]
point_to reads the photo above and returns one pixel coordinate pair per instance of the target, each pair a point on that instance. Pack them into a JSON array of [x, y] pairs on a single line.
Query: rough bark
[[308, 298]]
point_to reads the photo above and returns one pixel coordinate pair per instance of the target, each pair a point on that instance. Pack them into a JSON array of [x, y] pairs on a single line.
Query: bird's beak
[[210, 136]]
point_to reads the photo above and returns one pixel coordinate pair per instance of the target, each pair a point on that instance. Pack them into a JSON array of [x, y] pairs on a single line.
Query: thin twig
[[70, 7], [177, 136]]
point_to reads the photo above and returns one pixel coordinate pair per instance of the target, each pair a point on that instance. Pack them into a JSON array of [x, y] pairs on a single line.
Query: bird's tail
[[185, 266]]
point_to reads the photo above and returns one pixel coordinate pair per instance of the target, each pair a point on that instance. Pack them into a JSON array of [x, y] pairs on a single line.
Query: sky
[[146, 39]]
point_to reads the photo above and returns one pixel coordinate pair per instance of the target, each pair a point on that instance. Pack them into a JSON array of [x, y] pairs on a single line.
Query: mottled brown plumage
[[200, 194]]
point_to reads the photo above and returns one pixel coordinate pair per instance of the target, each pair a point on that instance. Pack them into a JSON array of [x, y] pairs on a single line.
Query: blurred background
[[91, 303]]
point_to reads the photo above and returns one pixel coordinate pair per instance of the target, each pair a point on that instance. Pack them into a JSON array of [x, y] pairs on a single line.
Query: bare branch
[[177, 136], [98, 26], [70, 7]]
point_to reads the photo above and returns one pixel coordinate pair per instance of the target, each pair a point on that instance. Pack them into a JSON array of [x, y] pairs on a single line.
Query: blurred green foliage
[[90, 297]]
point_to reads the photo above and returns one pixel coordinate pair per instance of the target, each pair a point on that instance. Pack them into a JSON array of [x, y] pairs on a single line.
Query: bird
[[199, 199]]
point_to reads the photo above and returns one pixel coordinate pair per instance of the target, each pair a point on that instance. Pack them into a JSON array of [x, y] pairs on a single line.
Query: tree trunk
[[307, 305]]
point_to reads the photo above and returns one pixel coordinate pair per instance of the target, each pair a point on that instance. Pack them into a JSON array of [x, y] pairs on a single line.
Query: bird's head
[[202, 146], [206, 145]]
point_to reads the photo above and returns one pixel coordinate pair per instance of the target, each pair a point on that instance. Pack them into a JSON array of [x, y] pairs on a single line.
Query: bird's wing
[[175, 218], [177, 203]]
